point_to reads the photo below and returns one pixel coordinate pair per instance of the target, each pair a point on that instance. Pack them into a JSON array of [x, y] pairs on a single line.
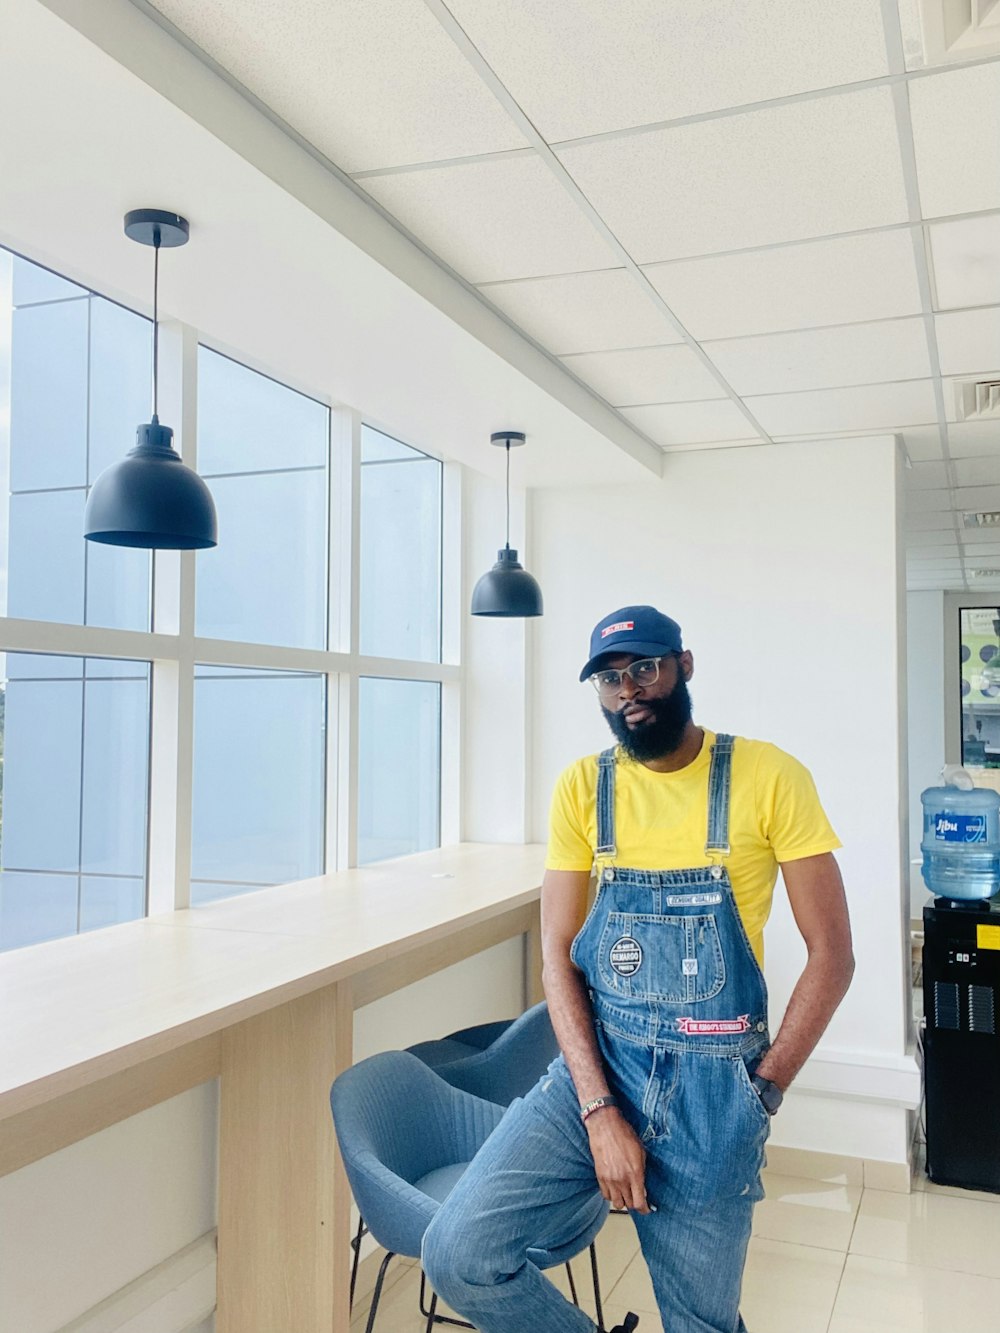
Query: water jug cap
[[954, 775]]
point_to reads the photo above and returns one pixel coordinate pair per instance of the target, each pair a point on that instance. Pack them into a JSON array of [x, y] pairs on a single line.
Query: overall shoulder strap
[[719, 786], [606, 764]]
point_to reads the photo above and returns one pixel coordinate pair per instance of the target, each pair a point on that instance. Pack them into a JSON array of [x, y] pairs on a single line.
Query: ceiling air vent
[[989, 519], [985, 573], [959, 29], [978, 401]]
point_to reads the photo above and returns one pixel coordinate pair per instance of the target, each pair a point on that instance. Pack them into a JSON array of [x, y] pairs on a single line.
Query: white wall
[[926, 714], [781, 564], [82, 1223]]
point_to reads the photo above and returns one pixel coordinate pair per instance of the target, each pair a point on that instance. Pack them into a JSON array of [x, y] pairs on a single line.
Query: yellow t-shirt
[[661, 821]]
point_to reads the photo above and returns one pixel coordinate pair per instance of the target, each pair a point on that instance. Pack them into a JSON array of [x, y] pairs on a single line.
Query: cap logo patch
[[616, 629]]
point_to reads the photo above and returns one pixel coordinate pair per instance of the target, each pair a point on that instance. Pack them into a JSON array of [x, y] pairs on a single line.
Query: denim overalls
[[680, 1012]]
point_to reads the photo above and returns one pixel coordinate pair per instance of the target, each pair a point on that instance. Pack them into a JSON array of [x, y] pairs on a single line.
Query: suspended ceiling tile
[[956, 134], [583, 312], [371, 83], [927, 502], [691, 423], [646, 375], [929, 520], [922, 443], [931, 541], [974, 439], [505, 218], [974, 498], [978, 471], [588, 67], [969, 340], [821, 358], [849, 280], [966, 259], [776, 174], [871, 407], [925, 476]]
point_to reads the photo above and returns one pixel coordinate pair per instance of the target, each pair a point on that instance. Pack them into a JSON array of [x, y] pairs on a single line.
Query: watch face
[[769, 1093]]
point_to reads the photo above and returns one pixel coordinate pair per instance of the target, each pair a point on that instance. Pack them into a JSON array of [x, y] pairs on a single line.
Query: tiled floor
[[825, 1257]]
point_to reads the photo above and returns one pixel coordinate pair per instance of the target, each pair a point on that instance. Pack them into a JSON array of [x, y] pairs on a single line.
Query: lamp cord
[[156, 320], [508, 495]]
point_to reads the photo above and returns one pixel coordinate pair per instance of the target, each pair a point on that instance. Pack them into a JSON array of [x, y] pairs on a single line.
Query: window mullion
[[170, 813]]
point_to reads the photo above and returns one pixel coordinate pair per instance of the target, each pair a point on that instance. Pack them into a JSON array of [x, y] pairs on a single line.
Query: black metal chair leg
[[598, 1307], [431, 1313], [572, 1285], [377, 1293], [356, 1247]]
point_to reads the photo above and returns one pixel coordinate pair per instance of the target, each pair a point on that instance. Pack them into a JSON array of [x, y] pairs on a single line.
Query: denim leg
[[703, 1172], [531, 1184]]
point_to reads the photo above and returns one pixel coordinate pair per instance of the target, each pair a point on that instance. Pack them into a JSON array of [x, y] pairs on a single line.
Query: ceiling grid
[[904, 124], [710, 216]]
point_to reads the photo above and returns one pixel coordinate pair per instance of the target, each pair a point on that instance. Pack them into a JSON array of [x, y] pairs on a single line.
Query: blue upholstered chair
[[511, 1064], [406, 1137], [459, 1045]]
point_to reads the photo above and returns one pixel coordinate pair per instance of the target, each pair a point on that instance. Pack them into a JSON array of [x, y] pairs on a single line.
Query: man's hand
[[619, 1159]]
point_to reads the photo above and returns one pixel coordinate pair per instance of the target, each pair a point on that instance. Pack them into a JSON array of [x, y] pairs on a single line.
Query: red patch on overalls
[[716, 1026]]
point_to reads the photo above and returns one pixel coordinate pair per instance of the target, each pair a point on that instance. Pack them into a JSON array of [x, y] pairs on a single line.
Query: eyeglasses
[[644, 672]]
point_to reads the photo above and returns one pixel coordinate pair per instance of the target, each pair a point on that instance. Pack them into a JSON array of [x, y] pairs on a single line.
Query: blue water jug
[[961, 842]]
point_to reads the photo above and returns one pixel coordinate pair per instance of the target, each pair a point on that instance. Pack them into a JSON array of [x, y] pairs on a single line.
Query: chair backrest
[[513, 1064], [396, 1121]]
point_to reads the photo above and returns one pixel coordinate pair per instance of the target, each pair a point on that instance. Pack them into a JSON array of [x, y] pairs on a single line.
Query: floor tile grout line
[[836, 1294]]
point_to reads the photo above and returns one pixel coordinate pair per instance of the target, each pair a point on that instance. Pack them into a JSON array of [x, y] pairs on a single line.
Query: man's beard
[[663, 733]]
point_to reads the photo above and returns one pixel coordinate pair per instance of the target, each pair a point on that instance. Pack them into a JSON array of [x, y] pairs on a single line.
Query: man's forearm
[[820, 989], [573, 1021]]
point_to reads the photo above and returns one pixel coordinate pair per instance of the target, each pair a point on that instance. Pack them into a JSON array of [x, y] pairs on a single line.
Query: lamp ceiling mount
[[508, 439], [155, 226]]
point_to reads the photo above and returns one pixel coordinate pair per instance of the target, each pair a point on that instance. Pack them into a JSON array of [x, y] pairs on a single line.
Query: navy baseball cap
[[633, 629]]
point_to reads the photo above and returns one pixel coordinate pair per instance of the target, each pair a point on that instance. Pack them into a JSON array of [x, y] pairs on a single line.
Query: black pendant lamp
[[151, 499], [508, 589]]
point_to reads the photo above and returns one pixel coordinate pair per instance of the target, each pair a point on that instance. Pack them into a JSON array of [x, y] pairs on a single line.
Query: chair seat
[[438, 1184]]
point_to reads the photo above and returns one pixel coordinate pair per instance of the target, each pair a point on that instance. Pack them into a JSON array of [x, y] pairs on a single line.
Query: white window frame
[[174, 648]]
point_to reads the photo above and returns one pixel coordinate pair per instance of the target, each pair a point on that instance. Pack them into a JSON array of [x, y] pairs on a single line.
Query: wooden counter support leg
[[284, 1206]]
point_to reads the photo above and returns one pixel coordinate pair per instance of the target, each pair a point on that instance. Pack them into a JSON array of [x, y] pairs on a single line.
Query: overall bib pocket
[[677, 959]]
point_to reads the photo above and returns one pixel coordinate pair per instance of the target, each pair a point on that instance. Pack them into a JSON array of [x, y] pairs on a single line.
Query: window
[[259, 766], [400, 550], [980, 675], [399, 779], [75, 373], [228, 707], [73, 784], [263, 450]]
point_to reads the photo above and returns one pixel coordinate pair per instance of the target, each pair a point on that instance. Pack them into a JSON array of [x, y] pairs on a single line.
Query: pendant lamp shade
[[507, 590], [150, 498]]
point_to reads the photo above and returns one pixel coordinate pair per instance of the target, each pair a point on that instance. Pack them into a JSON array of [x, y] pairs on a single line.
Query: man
[[667, 1079]]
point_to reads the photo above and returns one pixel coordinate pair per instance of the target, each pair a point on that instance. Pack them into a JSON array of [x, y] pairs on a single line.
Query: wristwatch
[[769, 1093]]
